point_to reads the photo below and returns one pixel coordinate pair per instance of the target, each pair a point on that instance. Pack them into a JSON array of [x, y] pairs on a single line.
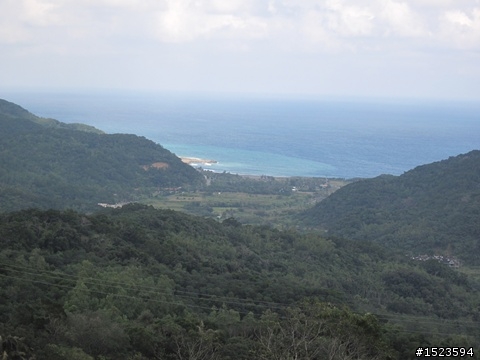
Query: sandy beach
[[197, 161]]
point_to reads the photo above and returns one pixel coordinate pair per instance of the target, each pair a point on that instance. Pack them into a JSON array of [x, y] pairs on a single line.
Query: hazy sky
[[394, 48]]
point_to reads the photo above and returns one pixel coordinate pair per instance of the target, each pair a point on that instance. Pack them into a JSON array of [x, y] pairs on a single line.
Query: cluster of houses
[[453, 263], [114, 206]]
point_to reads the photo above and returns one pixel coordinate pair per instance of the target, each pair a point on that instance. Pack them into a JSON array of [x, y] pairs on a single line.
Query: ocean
[[335, 138]]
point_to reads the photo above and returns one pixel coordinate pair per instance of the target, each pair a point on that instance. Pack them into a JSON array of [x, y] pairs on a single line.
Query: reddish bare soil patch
[[157, 165]]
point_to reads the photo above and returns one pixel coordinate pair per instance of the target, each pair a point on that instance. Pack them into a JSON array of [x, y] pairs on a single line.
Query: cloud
[[307, 44], [34, 12], [230, 6], [461, 28], [285, 25], [401, 20], [187, 20], [11, 30], [349, 20], [311, 25]]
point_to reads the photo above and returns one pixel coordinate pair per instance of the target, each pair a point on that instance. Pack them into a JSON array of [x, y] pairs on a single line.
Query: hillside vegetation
[[47, 164], [433, 209], [141, 283]]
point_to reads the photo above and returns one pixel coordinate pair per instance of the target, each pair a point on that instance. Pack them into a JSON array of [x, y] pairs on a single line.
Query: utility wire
[[148, 289], [238, 301], [197, 295], [102, 282], [201, 296]]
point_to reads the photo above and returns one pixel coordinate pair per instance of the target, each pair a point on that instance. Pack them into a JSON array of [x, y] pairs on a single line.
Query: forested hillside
[[139, 283], [47, 164], [433, 209]]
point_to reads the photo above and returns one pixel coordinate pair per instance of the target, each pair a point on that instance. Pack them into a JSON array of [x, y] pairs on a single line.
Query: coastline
[[198, 162]]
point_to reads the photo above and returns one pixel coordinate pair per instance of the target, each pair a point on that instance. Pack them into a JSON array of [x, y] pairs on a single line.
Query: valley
[[267, 201], [104, 257]]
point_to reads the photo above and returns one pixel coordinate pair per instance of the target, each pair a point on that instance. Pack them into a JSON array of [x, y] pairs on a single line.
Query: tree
[[13, 348], [192, 342], [320, 331]]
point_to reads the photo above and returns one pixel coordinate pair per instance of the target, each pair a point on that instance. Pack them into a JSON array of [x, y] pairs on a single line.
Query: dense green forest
[[433, 209], [142, 283], [48, 164]]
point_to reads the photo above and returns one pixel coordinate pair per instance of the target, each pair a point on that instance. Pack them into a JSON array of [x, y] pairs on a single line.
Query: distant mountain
[[14, 111], [433, 209], [49, 164]]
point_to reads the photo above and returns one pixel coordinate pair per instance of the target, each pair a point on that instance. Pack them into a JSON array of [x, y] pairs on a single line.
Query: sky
[[362, 48]]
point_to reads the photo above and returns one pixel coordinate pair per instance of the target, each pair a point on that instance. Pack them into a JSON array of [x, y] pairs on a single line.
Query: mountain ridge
[[49, 164], [15, 111], [432, 208]]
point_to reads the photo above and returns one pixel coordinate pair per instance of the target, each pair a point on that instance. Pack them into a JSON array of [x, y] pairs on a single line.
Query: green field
[[248, 208]]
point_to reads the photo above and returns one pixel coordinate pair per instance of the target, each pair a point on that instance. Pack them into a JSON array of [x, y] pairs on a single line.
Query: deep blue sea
[[279, 137]]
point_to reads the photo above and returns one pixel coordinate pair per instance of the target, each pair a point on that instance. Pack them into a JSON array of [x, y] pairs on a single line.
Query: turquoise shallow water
[[252, 162], [334, 138]]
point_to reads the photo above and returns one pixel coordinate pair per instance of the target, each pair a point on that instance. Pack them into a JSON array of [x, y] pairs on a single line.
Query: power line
[[101, 281], [146, 289], [197, 295], [104, 293], [238, 301]]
